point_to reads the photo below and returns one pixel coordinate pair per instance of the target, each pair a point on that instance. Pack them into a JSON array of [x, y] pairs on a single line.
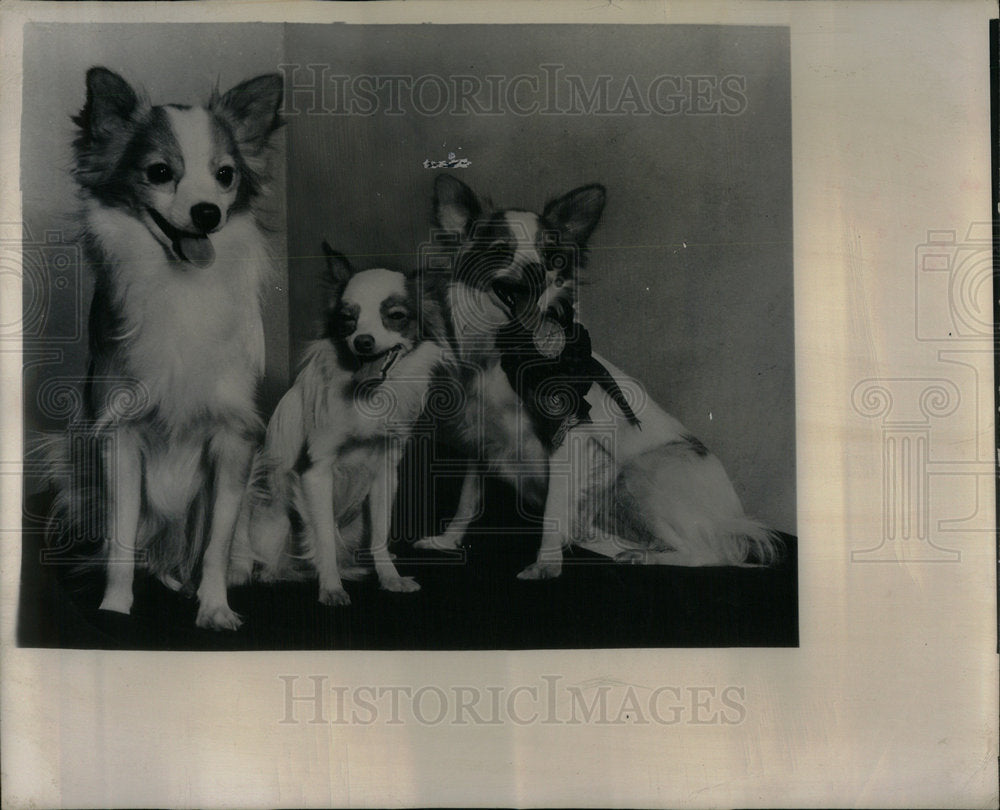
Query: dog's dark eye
[[159, 173], [225, 175], [397, 315]]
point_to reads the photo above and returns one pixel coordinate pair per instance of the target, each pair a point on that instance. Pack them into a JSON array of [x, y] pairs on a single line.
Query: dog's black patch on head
[[342, 319], [398, 315], [153, 142], [696, 445], [488, 252], [247, 181]]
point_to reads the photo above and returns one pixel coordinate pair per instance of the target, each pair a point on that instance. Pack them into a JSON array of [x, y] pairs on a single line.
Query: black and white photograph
[[499, 404], [366, 380]]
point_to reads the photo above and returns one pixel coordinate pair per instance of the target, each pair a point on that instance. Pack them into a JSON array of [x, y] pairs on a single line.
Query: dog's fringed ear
[[107, 123], [577, 213], [251, 108], [456, 206], [338, 270], [111, 103]]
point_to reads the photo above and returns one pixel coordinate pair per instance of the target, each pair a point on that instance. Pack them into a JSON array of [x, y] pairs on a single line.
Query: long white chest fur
[[497, 426], [192, 337], [337, 416]]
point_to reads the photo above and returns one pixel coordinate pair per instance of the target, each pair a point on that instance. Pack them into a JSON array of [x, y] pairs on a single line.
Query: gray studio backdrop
[[689, 286]]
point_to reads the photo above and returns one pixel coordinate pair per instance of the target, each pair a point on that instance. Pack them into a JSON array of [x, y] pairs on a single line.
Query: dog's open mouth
[[193, 248], [377, 367], [547, 333], [510, 294]]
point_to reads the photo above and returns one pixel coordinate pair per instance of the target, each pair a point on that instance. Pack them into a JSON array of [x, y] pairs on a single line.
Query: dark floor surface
[[472, 601]]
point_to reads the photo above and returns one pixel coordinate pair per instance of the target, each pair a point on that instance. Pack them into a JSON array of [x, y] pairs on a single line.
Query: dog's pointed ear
[[111, 102], [251, 108], [577, 213], [338, 269], [456, 206]]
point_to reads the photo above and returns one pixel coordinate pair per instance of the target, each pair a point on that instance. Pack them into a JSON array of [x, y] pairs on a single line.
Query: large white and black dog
[[170, 231], [561, 423]]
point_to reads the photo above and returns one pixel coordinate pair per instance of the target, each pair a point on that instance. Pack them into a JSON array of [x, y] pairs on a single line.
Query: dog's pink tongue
[[372, 370], [378, 368], [197, 250]]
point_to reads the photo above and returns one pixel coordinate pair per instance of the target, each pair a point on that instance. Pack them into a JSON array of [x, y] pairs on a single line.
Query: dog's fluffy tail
[[75, 528], [678, 502], [264, 531], [749, 542], [269, 523]]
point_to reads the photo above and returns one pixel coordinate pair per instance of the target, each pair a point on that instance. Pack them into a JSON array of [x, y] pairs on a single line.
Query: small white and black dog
[[334, 443], [617, 473], [170, 229]]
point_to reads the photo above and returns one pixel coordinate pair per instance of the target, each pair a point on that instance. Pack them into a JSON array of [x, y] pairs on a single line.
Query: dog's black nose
[[364, 344], [205, 216]]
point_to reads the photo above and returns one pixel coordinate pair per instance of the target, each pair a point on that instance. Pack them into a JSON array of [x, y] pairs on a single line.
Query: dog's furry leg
[[317, 486], [232, 454], [468, 510], [558, 519], [123, 482], [241, 555], [381, 497]]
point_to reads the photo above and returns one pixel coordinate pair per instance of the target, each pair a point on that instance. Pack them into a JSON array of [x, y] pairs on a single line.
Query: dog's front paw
[[334, 597], [218, 617], [541, 570], [400, 584], [441, 542]]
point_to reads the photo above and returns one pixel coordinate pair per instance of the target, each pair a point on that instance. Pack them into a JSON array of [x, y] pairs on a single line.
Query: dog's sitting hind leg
[[123, 481], [381, 497]]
